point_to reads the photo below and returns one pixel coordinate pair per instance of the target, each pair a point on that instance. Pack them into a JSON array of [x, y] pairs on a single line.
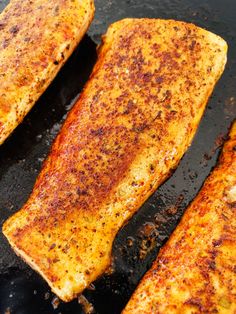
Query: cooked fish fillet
[[36, 38], [133, 122], [195, 270]]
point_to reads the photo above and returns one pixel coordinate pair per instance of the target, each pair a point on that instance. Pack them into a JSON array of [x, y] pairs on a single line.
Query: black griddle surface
[[22, 291]]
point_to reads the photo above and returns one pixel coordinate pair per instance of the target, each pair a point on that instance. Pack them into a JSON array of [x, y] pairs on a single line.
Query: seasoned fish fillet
[[36, 38], [195, 270], [133, 122]]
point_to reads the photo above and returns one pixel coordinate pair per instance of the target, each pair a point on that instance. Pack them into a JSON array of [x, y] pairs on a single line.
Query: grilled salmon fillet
[[36, 38], [132, 124], [195, 270]]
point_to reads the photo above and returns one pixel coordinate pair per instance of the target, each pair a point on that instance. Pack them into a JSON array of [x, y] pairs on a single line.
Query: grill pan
[[22, 291]]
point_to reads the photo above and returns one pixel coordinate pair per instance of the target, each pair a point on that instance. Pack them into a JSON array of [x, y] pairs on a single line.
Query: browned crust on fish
[[36, 38], [132, 124]]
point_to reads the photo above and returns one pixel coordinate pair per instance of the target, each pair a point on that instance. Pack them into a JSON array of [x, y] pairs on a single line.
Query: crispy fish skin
[[195, 270], [36, 38], [132, 124]]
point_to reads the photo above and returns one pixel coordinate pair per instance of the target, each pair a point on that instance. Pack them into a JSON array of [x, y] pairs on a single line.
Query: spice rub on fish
[[36, 38], [130, 127], [195, 270]]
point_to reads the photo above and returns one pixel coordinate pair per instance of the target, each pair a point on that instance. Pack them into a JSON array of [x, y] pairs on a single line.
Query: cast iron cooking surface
[[22, 291]]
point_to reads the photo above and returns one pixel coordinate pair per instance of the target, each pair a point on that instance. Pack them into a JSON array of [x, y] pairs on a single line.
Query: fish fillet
[[132, 124], [195, 270], [36, 38]]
